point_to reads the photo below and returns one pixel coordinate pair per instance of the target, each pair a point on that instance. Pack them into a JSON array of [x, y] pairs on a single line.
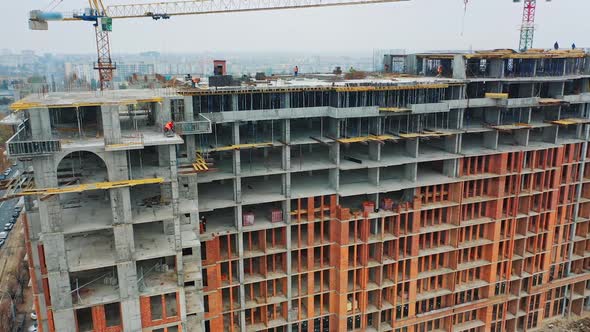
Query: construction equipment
[[102, 17]]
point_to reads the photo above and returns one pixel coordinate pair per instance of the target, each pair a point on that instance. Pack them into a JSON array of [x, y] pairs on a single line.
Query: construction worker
[[296, 70], [202, 225], [573, 46], [169, 127], [556, 45]]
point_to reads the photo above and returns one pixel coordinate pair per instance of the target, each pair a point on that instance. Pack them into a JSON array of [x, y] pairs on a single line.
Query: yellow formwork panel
[[200, 164], [494, 95], [374, 138], [394, 109], [241, 146], [513, 126], [570, 121], [425, 134]]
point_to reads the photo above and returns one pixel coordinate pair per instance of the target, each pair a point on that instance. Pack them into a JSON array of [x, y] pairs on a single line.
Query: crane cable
[[53, 4], [465, 2]]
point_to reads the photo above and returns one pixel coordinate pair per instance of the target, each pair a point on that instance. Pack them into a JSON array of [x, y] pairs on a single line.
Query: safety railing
[[21, 144], [201, 126]]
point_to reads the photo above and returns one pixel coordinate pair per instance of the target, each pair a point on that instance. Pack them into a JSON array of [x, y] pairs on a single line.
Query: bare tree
[[5, 315]]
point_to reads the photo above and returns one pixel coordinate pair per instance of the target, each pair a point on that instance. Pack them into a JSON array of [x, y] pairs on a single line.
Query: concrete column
[[129, 293], [492, 116], [236, 140], [556, 89], [334, 175], [111, 125], [459, 68], [189, 140], [411, 171], [120, 199], [162, 113], [451, 167], [490, 139], [452, 143], [411, 64], [53, 242], [176, 220], [164, 155], [550, 134], [456, 118], [521, 136], [375, 147], [287, 100], [286, 156], [586, 69], [525, 90], [40, 124], [241, 277], [234, 103], [412, 147], [374, 176], [286, 138], [287, 218], [496, 68]]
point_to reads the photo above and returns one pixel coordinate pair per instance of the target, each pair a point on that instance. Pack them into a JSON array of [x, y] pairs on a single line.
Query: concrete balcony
[[576, 99], [474, 102], [430, 108], [519, 102], [21, 144], [201, 126]]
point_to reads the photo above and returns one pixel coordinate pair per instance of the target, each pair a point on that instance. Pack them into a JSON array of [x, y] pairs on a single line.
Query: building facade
[[456, 198]]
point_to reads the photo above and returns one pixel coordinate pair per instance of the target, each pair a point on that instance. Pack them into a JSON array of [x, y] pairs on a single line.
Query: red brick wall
[[146, 312]]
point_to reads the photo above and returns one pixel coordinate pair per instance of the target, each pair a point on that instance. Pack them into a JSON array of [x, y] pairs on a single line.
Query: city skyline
[[306, 30]]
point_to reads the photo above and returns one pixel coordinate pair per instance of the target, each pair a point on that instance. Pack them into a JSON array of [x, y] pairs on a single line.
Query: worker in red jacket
[[169, 127]]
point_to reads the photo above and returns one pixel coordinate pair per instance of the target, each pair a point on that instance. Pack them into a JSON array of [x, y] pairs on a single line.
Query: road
[[7, 207], [12, 249]]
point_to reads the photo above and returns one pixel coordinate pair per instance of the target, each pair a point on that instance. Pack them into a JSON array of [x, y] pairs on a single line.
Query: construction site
[[452, 196]]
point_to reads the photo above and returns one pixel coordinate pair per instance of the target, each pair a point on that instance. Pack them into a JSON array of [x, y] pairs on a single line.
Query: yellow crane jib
[[89, 186]]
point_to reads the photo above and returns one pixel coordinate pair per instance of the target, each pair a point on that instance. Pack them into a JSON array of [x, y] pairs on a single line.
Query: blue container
[[50, 16]]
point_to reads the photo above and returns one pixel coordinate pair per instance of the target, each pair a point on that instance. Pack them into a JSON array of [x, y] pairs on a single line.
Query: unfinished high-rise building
[[454, 197]]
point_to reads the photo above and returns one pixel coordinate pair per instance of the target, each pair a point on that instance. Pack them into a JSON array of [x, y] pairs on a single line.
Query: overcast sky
[[413, 25]]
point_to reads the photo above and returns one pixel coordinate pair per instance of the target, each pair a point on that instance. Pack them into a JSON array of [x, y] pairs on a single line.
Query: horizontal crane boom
[[175, 8]]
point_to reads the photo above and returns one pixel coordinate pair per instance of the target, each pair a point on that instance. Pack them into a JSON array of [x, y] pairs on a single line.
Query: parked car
[[3, 235], [18, 209], [33, 328], [8, 226], [15, 214], [33, 315], [7, 171], [2, 242]]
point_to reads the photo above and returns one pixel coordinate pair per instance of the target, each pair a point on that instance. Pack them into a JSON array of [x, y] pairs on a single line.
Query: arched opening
[[86, 210], [81, 167]]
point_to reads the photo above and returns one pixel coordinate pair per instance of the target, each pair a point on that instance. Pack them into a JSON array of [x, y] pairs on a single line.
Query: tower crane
[[102, 16], [527, 27]]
